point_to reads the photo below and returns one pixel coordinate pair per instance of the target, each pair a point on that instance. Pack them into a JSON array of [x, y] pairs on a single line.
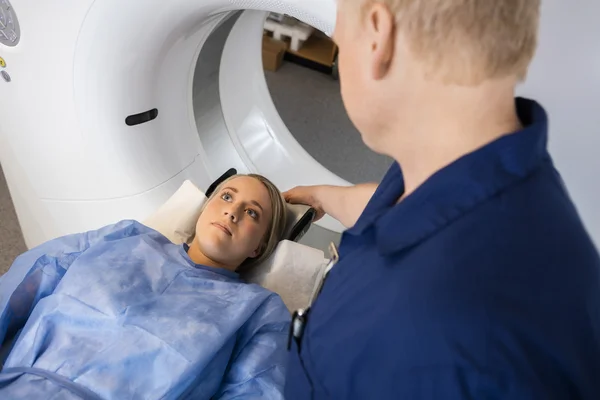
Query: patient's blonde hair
[[468, 41], [276, 227]]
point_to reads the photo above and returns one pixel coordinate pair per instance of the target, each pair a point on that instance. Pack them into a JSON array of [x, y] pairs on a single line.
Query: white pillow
[[177, 217], [291, 271]]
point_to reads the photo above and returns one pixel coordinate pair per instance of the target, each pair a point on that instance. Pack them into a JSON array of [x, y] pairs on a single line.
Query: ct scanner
[[108, 106]]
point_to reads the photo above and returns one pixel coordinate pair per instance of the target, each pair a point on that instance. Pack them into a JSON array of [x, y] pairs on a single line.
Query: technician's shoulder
[[489, 298], [534, 223], [524, 262]]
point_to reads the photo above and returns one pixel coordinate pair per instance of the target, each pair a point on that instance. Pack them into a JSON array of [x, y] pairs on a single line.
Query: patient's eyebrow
[[256, 203]]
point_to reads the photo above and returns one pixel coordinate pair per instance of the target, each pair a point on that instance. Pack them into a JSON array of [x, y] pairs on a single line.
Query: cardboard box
[[272, 53]]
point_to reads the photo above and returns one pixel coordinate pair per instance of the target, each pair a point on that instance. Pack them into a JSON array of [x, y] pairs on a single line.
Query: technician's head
[[394, 55], [242, 222]]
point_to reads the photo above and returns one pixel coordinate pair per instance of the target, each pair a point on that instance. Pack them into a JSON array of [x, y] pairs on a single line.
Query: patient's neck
[[198, 257]]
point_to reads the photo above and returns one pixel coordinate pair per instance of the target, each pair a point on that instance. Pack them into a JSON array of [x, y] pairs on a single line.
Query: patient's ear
[[258, 251]]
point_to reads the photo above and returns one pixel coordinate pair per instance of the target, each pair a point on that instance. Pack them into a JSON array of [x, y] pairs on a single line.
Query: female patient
[[122, 313]]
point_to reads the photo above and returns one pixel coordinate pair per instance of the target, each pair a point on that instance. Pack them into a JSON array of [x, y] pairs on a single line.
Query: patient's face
[[234, 222]]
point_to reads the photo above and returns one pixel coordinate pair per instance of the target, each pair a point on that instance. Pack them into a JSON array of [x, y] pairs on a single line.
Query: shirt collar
[[457, 188]]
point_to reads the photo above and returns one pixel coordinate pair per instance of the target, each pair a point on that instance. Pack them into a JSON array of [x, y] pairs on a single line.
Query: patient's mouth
[[222, 227]]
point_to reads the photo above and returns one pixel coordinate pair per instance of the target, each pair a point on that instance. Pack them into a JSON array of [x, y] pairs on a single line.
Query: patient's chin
[[216, 247], [213, 244]]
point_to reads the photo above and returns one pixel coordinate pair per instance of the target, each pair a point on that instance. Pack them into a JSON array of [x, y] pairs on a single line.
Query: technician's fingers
[[299, 195], [304, 195]]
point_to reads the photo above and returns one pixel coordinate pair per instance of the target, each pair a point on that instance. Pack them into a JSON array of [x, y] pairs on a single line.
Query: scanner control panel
[[10, 32]]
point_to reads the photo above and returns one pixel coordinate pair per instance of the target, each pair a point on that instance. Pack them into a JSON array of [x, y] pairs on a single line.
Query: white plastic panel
[[255, 127], [217, 149], [72, 164], [132, 68], [64, 137], [40, 143]]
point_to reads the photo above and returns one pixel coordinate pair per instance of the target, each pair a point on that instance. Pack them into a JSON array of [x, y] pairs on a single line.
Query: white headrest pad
[[291, 271], [177, 217]]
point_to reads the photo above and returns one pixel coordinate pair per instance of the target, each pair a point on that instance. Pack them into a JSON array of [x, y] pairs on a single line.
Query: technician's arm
[[344, 203]]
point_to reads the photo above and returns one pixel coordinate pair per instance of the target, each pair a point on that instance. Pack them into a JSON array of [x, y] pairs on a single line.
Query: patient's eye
[[226, 196], [252, 213]]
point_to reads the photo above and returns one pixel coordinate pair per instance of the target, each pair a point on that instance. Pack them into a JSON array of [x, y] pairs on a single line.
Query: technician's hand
[[306, 195]]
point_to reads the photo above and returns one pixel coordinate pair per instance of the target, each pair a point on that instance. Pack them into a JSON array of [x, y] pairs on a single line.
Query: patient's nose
[[232, 213]]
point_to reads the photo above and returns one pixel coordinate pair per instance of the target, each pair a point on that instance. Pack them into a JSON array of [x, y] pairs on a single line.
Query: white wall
[[565, 79]]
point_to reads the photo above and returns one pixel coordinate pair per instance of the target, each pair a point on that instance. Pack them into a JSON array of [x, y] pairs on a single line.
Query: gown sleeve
[[36, 273], [259, 367]]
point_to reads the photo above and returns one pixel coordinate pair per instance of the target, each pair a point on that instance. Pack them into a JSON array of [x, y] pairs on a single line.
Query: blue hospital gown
[[122, 313]]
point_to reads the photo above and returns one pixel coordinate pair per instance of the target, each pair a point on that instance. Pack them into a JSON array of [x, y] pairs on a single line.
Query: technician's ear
[[380, 28]]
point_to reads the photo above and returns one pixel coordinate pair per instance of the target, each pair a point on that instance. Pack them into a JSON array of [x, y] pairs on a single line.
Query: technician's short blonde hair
[[469, 41], [277, 225]]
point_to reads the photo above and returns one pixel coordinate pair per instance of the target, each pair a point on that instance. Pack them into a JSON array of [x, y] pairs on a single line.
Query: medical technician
[[467, 272]]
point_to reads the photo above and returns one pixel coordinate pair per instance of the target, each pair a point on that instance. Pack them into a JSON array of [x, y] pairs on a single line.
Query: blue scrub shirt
[[481, 284]]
